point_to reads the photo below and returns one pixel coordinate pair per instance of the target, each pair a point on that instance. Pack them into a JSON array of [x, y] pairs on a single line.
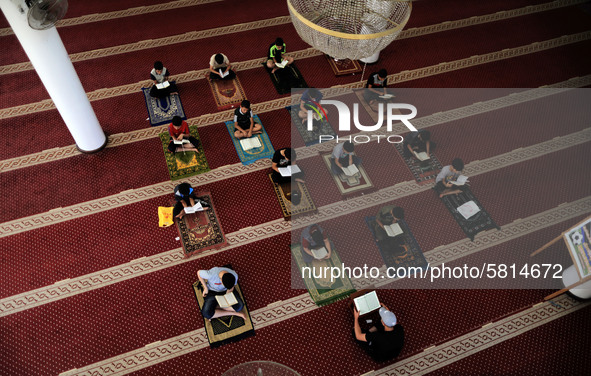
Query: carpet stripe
[[59, 215], [433, 358], [122, 13]]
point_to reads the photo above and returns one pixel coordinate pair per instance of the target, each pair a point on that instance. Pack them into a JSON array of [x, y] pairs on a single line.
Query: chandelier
[[349, 29]]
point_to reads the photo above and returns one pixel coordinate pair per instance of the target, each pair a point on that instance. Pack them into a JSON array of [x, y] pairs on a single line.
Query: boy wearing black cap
[[244, 125], [383, 342], [219, 281]]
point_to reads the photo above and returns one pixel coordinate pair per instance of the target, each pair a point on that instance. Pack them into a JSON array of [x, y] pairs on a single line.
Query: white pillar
[[52, 63]]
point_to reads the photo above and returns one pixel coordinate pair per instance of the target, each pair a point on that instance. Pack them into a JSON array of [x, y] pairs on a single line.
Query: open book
[[461, 180], [468, 209], [386, 96], [289, 170], [193, 209], [250, 143], [183, 141], [319, 253], [350, 170], [163, 85], [422, 156], [227, 300], [224, 74], [393, 229], [367, 303], [282, 64]]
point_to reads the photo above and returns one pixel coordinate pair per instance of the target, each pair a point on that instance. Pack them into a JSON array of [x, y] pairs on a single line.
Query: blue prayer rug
[[250, 156], [162, 110]]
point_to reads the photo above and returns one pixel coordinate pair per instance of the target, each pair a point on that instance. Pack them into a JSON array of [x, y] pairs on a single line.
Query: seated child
[[283, 158], [178, 131], [376, 86], [418, 142], [314, 237], [310, 97], [219, 281], [219, 62], [387, 215], [244, 125], [343, 156], [277, 55], [185, 196], [159, 75], [446, 175]]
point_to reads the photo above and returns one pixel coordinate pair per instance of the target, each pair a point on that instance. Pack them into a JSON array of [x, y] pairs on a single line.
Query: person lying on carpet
[[314, 237], [376, 86], [384, 341], [185, 196], [219, 62], [159, 75], [416, 142], [244, 125], [283, 158], [277, 55], [179, 131], [450, 173], [219, 281], [343, 156], [387, 216], [310, 101]]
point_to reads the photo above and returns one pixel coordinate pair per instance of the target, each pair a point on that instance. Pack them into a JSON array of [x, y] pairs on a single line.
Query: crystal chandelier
[[349, 29]]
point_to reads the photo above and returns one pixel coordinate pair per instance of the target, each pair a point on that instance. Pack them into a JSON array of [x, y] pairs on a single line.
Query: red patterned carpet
[[90, 285]]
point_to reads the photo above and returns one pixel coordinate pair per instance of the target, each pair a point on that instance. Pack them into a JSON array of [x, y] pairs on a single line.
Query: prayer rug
[[344, 66], [283, 192], [349, 184], [226, 329], [202, 230], [322, 290], [310, 137], [184, 163], [478, 222], [162, 110], [411, 257], [424, 172], [250, 156], [285, 79], [227, 93]]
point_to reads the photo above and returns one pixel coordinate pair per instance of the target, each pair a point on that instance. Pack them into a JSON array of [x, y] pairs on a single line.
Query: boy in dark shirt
[[418, 141], [244, 125], [376, 86], [283, 158], [383, 342], [277, 55]]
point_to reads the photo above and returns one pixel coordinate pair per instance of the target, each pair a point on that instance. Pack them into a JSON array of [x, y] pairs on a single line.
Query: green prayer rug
[[184, 163]]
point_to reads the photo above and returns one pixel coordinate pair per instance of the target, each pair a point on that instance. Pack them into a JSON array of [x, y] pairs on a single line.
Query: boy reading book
[[277, 55], [220, 68], [343, 156], [187, 201], [444, 183], [313, 239], [283, 158], [418, 145], [244, 125], [388, 216], [181, 136], [217, 283], [160, 77]]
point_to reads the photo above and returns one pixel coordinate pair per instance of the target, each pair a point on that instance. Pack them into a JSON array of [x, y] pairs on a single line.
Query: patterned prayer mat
[[227, 93], [309, 137], [343, 67], [187, 163], [287, 78], [424, 172], [322, 290], [283, 192], [250, 156], [162, 110], [202, 230], [480, 221], [412, 257], [349, 184], [226, 329], [370, 111]]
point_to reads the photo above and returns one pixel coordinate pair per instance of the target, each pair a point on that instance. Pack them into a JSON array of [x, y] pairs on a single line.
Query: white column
[[52, 63]]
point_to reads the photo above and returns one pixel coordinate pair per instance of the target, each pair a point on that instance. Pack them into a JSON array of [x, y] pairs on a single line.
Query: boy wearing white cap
[[383, 342]]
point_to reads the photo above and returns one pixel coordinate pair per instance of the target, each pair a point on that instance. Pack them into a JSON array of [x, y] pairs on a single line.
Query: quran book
[[282, 64], [422, 156], [350, 170], [386, 96], [367, 303], [183, 141], [163, 85], [224, 74], [250, 143], [319, 253], [461, 180], [393, 229], [193, 209], [468, 209], [289, 170], [227, 300]]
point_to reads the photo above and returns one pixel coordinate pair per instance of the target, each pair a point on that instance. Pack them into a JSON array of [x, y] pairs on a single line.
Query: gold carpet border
[[96, 17], [430, 359], [59, 215]]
